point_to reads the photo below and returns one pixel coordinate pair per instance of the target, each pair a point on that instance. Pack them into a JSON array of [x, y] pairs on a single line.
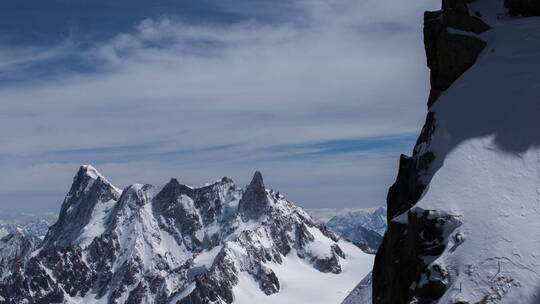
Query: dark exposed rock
[[406, 190], [419, 234], [449, 52], [425, 134], [216, 285], [365, 248], [414, 235], [328, 264], [328, 233], [331, 263], [177, 217], [268, 281], [143, 247], [88, 190], [523, 7], [370, 239], [254, 202]]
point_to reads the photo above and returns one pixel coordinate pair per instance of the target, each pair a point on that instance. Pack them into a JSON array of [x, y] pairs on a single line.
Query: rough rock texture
[[89, 189], [362, 293], [170, 244], [254, 201], [413, 236], [450, 50], [401, 273], [15, 249], [523, 7]]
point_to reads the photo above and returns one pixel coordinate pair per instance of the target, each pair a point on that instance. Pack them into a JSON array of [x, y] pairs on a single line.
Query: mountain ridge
[[177, 244]]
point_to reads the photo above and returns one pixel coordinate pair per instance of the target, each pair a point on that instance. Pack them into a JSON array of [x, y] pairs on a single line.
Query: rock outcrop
[[452, 40], [254, 202], [462, 203], [170, 244], [450, 43]]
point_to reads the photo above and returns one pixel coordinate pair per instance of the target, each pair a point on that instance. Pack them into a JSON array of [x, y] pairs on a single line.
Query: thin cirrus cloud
[[322, 100]]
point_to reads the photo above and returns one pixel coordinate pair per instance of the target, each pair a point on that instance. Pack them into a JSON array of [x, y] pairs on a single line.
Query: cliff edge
[[464, 205]]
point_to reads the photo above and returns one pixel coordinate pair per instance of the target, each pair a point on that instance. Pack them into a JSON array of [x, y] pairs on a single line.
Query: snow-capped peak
[[181, 244], [90, 197], [91, 171]]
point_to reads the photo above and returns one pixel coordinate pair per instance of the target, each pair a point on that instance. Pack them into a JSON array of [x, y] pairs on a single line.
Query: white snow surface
[[94, 174], [300, 284], [487, 146], [96, 226], [141, 241]]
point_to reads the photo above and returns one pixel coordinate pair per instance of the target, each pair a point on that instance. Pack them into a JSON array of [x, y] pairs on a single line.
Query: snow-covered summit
[[90, 196], [179, 244]]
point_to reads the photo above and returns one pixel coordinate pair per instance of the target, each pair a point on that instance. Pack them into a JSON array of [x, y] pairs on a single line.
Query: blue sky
[[321, 96]]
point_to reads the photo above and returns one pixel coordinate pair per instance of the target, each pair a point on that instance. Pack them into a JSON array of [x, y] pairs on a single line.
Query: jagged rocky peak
[[176, 244], [254, 201], [90, 193], [172, 191]]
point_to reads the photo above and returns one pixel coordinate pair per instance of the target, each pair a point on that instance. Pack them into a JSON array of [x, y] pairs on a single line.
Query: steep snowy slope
[[180, 244], [490, 178], [465, 209]]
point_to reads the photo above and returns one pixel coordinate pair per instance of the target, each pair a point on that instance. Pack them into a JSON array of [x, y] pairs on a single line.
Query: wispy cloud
[[333, 81]]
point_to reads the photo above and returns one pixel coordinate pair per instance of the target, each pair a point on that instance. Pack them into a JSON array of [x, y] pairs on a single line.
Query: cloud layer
[[322, 101]]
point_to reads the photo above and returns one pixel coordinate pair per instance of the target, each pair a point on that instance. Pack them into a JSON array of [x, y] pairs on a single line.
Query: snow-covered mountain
[[464, 211], [372, 219], [179, 244], [363, 226], [326, 214], [32, 225]]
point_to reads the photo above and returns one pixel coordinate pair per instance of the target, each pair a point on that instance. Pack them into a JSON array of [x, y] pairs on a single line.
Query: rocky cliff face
[[169, 244], [450, 48], [439, 247]]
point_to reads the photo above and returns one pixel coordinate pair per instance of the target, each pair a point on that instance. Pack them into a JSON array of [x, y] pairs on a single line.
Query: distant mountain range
[[363, 227], [28, 224], [178, 244]]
